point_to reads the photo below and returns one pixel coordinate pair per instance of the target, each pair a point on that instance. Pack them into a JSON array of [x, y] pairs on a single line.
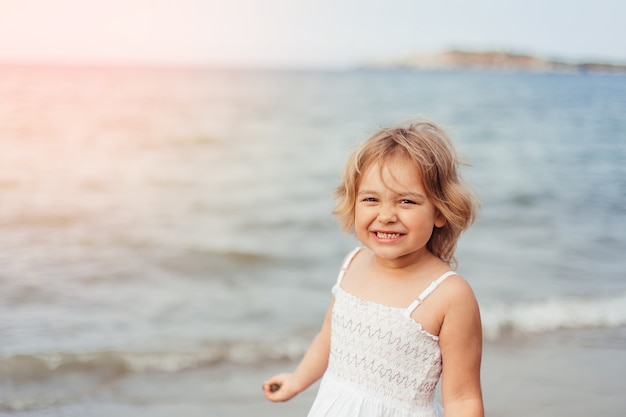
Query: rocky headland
[[495, 61]]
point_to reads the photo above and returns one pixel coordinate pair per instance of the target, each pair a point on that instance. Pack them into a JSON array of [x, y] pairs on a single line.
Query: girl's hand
[[280, 387], [283, 387]]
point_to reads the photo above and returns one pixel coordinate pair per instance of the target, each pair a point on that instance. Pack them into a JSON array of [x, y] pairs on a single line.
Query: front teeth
[[381, 235]]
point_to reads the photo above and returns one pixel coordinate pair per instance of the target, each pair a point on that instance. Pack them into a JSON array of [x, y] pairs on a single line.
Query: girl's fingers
[[273, 387]]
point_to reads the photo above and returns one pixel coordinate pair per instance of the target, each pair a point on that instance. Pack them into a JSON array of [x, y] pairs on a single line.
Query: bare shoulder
[[461, 312], [351, 256], [355, 259], [457, 289], [459, 299]]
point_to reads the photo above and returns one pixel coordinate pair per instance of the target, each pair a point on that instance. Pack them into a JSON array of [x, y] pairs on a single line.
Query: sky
[[302, 33]]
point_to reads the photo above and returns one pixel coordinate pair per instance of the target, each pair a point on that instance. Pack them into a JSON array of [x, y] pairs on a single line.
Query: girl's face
[[393, 215]]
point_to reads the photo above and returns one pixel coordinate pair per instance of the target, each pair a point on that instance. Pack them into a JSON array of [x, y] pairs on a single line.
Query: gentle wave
[[553, 314], [499, 320], [117, 363]]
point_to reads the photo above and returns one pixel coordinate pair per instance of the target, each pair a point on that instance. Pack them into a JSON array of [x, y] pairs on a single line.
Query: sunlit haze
[[287, 33]]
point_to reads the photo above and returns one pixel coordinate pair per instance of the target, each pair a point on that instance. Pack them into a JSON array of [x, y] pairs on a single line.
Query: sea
[[167, 243]]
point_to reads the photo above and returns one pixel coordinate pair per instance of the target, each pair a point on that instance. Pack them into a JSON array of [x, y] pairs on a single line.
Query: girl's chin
[[395, 254], [386, 252]]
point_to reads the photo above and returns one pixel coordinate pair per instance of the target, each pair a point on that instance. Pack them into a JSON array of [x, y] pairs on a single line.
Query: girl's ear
[[440, 221]]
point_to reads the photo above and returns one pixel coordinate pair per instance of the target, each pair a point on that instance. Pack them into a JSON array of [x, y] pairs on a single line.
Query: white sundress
[[382, 363]]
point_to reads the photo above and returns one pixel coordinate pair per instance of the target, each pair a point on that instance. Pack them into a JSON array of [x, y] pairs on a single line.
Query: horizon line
[[156, 63]]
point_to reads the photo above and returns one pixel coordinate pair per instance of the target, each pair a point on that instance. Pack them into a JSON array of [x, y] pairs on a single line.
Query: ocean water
[[174, 226]]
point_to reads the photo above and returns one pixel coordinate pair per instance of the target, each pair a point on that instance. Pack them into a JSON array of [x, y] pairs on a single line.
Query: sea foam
[[552, 314]]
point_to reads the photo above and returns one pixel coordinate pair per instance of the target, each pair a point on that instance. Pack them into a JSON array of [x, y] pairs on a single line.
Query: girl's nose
[[387, 214]]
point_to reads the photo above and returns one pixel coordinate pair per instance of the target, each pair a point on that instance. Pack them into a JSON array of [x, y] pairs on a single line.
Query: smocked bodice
[[383, 351]]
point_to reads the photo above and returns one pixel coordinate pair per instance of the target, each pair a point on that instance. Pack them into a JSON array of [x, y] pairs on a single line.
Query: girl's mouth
[[382, 235]]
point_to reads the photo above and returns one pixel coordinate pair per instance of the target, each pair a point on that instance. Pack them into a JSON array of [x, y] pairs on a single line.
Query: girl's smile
[[387, 235]]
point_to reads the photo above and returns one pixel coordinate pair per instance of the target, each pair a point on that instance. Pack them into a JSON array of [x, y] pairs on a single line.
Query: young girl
[[400, 318]]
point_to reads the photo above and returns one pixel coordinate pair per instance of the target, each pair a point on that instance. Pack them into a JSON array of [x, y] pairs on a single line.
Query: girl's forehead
[[392, 173]]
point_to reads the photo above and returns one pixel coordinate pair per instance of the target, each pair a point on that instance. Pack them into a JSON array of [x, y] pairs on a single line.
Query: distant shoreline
[[447, 60], [494, 61]]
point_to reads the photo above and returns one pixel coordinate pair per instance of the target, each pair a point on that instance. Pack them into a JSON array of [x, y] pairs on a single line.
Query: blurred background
[[166, 171]]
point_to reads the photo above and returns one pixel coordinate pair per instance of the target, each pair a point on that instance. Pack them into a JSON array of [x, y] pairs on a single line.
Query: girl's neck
[[409, 264]]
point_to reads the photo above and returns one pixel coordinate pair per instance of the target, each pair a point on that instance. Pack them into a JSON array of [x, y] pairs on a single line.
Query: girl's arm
[[311, 367], [460, 340]]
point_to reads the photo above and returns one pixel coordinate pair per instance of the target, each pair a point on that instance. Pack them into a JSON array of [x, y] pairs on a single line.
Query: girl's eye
[[407, 202], [369, 200]]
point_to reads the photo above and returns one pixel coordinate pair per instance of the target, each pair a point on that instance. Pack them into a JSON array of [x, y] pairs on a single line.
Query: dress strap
[[432, 287], [346, 263]]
